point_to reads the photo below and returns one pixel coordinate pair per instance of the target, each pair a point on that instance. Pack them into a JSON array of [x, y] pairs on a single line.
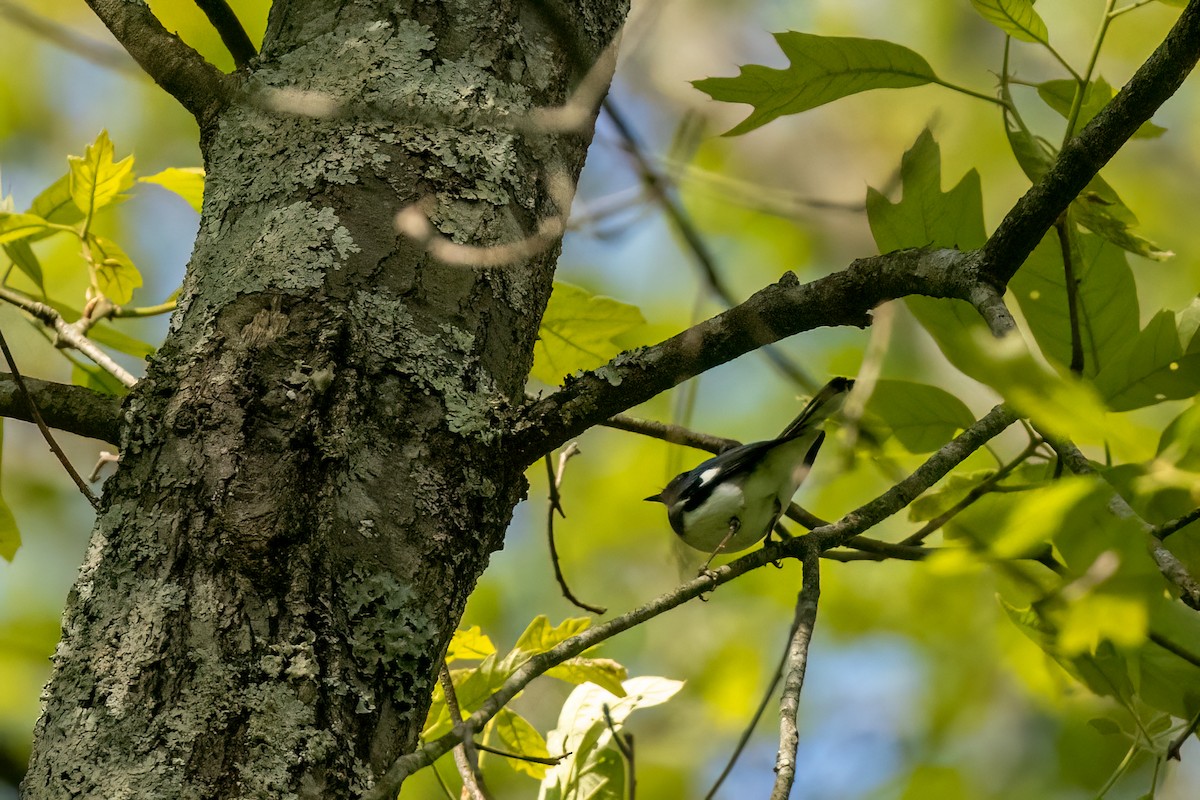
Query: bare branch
[[793, 682], [66, 408], [68, 334], [199, 87], [675, 434], [232, 34], [84, 489], [1083, 156], [555, 504], [465, 757], [1168, 528]]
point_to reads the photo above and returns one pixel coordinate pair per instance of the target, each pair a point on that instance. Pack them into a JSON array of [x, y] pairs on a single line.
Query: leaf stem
[[971, 92], [1083, 82]]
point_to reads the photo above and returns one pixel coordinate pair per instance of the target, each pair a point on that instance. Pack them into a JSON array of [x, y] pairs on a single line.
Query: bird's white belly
[[709, 525]]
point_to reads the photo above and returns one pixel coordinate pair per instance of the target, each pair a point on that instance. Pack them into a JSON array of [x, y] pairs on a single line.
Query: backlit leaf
[[1017, 18], [14, 226], [601, 671], [95, 179], [187, 182], [10, 536], [1059, 95], [469, 644], [115, 272], [1150, 368], [577, 332], [922, 417], [822, 69]]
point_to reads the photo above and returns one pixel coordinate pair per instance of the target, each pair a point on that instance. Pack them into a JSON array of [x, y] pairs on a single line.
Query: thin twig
[[1168, 528], [549, 761], [84, 489], [758, 712], [555, 481], [464, 754], [1168, 563], [1063, 230], [988, 484], [675, 434], [230, 29], [624, 743], [1178, 742], [793, 681], [67, 334]]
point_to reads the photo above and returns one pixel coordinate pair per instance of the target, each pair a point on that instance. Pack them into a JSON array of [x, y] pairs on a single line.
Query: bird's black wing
[[696, 490]]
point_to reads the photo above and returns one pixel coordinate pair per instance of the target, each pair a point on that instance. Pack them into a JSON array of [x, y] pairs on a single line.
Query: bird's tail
[[824, 404]]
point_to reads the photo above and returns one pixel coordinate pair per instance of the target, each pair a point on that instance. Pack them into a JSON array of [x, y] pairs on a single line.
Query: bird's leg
[[734, 525], [780, 531]]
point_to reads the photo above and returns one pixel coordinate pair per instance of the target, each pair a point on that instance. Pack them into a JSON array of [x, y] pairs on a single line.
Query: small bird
[[734, 499]]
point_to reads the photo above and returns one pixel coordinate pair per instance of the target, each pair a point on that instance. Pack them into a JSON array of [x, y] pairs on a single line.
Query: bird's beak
[[654, 498]]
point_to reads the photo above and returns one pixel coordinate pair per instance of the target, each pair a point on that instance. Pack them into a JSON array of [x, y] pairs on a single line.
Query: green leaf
[[1096, 618], [54, 203], [949, 491], [14, 227], [822, 69], [1066, 406], [92, 377], [539, 636], [118, 340], [187, 182], [1098, 207], [926, 216], [601, 671], [593, 769], [95, 179], [10, 536], [518, 736], [1106, 300], [27, 261], [470, 644], [1017, 18], [922, 417], [115, 272], [577, 332], [1059, 94], [929, 781], [1150, 368]]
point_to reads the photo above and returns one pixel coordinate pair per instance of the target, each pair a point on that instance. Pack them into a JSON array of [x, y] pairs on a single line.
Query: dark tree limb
[[66, 408], [777, 311], [230, 29], [199, 87], [1083, 155]]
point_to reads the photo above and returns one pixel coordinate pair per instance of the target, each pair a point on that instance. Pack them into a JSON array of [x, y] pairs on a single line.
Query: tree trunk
[[311, 478]]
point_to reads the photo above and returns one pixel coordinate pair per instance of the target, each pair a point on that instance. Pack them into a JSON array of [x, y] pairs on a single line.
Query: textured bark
[[311, 478]]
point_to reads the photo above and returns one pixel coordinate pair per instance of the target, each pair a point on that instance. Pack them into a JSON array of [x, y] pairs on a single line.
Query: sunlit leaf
[[105, 334], [594, 769], [1039, 515], [601, 671], [539, 636], [54, 203], [922, 417], [1096, 618], [469, 644], [822, 69], [26, 260], [1106, 299], [10, 536], [925, 216], [14, 227], [577, 332], [1017, 18], [946, 494], [1059, 94], [115, 272], [95, 179], [516, 735], [187, 182], [1150, 368]]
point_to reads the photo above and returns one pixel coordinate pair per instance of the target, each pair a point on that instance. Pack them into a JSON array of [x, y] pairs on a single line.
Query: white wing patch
[[709, 474]]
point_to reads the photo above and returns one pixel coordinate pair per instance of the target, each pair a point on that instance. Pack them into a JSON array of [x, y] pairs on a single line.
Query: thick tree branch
[[200, 87], [232, 34], [777, 311], [1083, 156], [66, 408]]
